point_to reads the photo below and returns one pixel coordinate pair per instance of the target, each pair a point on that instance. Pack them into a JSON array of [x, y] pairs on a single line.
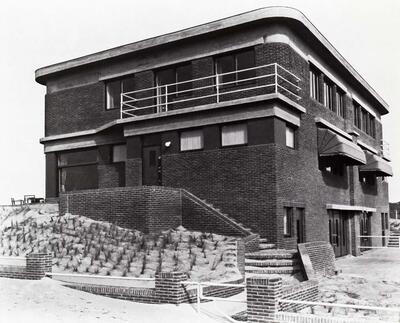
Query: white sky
[[37, 33]]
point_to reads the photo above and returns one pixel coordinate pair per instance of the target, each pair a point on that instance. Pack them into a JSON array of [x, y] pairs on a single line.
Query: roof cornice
[[240, 19]]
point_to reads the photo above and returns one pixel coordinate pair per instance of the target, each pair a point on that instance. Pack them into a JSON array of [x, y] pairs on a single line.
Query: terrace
[[211, 89]]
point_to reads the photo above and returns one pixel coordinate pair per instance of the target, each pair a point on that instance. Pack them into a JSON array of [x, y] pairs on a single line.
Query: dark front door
[[365, 229], [300, 226], [338, 232], [152, 165]]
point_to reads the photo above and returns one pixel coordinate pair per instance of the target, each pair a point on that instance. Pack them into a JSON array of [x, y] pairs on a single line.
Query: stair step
[[272, 270], [272, 254], [271, 262], [264, 246]]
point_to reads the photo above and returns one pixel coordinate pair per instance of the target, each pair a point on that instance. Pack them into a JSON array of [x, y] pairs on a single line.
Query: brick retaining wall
[[145, 208], [318, 258], [37, 264]]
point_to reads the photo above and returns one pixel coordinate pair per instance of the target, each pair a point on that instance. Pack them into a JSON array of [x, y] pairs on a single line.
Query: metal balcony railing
[[216, 88], [385, 149]]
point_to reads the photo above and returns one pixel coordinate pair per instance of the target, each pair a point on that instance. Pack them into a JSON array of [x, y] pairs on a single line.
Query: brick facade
[[37, 264]]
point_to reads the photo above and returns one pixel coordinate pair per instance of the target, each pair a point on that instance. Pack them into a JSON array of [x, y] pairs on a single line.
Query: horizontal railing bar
[[362, 307], [223, 284], [297, 97], [210, 298], [298, 79], [99, 276], [286, 80], [379, 237]]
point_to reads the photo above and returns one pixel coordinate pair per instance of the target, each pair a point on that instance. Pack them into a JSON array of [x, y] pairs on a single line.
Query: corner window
[[290, 136], [287, 221], [230, 66], [119, 153], [235, 134], [192, 140], [314, 83]]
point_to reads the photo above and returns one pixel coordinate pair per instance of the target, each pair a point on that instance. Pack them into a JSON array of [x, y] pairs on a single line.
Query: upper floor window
[[192, 140], [290, 136], [178, 78], [230, 65], [328, 94], [340, 103], [314, 83], [119, 153], [114, 89], [235, 134], [364, 120]]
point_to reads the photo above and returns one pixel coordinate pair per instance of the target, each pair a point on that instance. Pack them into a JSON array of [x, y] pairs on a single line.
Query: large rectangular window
[[314, 83], [364, 120], [340, 110], [357, 115], [114, 88], [178, 79], [328, 94], [235, 134], [78, 170], [119, 153], [192, 140], [287, 221], [232, 64]]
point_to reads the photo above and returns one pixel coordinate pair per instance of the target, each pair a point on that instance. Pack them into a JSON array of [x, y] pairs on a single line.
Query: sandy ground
[[372, 279], [47, 301]]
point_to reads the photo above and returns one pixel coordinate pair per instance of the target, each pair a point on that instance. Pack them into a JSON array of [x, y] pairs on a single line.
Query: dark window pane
[[245, 60], [113, 90], [166, 76], [78, 157], [78, 178], [152, 158], [226, 64], [128, 84], [184, 73]]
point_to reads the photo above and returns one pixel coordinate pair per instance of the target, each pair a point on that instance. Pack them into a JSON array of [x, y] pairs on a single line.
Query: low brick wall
[[37, 264], [169, 289], [305, 291], [145, 208], [318, 258]]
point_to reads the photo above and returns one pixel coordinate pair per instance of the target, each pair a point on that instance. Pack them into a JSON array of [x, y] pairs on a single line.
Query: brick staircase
[[394, 239], [269, 260]]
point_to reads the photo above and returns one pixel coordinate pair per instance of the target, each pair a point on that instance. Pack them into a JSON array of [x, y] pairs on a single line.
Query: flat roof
[[240, 19]]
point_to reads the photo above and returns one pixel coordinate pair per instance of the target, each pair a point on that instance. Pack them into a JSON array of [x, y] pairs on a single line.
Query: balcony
[[212, 89]]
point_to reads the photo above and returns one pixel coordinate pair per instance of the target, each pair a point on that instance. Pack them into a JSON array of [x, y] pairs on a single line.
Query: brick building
[[256, 113]]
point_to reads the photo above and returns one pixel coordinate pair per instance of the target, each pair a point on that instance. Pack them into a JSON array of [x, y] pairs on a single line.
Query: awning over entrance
[[377, 165], [339, 149]]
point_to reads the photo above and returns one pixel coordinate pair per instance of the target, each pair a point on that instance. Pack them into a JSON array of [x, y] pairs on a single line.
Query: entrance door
[[365, 229], [338, 232], [151, 165]]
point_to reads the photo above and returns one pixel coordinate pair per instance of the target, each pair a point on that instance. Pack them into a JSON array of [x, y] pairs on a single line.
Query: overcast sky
[[37, 33]]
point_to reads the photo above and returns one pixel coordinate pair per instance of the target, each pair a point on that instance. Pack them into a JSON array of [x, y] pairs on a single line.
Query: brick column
[[262, 298], [37, 264], [355, 233], [169, 288]]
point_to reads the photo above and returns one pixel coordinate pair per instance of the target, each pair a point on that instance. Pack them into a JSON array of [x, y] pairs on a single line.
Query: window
[[232, 64], [340, 103], [290, 136], [235, 134], [314, 83], [192, 140], [77, 170], [114, 89], [337, 169], [119, 153], [368, 179], [287, 221], [364, 120], [178, 74], [328, 94]]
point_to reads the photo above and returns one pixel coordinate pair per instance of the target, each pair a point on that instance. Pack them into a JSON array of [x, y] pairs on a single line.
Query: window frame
[[113, 153], [314, 75], [294, 131], [287, 224], [328, 87], [340, 103], [176, 92], [237, 80], [232, 125], [188, 131]]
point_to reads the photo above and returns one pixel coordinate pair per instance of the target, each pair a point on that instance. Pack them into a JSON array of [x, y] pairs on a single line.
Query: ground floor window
[[287, 221], [77, 170]]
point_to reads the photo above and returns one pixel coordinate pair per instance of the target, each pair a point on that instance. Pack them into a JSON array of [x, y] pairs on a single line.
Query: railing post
[[166, 97], [217, 85], [158, 98], [121, 103], [276, 77]]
